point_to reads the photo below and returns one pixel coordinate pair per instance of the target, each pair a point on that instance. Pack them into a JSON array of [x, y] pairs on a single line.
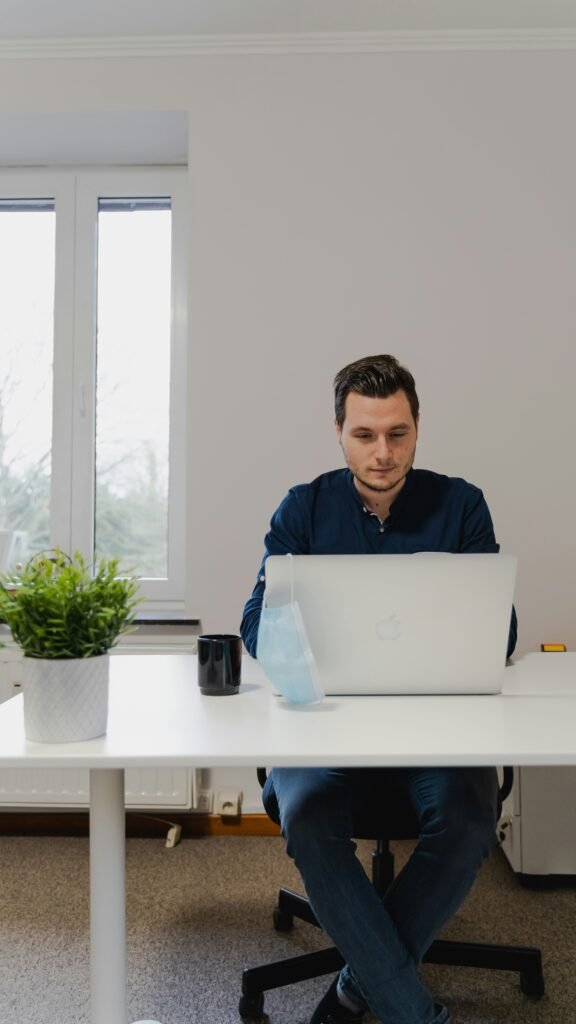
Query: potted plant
[[65, 616]]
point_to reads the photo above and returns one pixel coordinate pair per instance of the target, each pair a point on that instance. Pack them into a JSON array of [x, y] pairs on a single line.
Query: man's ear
[[338, 431]]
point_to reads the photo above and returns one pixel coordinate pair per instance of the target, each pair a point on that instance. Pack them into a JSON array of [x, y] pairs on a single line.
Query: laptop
[[426, 623]]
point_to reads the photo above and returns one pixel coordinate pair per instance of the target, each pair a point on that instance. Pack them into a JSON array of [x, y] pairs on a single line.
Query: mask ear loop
[[291, 557]]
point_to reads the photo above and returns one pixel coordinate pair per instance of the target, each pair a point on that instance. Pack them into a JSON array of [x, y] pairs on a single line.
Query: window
[[133, 382], [27, 250], [93, 371]]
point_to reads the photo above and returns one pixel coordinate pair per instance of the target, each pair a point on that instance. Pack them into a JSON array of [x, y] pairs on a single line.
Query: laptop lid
[[421, 623]]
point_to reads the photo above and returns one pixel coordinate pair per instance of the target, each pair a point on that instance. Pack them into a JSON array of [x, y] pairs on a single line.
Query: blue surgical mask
[[285, 654]]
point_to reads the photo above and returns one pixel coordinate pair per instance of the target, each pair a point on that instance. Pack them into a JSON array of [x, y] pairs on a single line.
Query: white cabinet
[[540, 818]]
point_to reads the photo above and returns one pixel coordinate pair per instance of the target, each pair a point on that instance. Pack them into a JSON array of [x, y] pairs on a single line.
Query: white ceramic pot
[[65, 699]]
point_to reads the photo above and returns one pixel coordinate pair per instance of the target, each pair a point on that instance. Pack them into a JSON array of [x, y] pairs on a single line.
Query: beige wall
[[418, 203]]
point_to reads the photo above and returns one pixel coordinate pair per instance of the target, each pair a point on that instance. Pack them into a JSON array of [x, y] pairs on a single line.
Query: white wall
[[416, 203]]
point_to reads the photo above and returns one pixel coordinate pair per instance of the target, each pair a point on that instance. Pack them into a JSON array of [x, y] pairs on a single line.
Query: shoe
[[331, 1011]]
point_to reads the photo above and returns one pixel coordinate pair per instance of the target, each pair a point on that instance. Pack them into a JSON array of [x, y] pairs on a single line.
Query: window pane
[[133, 383], [27, 266]]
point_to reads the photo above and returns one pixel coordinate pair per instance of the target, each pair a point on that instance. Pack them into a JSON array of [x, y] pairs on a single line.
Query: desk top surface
[[158, 717]]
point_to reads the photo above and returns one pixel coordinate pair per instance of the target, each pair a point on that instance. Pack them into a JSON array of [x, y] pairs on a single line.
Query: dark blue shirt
[[328, 517]]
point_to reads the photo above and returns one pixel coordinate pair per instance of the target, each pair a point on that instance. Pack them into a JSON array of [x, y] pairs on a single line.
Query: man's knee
[[312, 804], [465, 810]]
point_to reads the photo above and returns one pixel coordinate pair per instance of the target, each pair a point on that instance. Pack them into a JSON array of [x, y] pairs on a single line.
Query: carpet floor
[[201, 912]]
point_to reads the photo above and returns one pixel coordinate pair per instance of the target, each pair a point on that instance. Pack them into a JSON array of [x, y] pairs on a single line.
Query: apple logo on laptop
[[388, 628]]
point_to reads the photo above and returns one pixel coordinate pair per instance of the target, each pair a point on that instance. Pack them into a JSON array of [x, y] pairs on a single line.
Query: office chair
[[525, 960]]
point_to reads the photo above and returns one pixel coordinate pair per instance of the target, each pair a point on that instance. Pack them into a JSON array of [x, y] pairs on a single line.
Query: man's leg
[[457, 809], [316, 815], [384, 943]]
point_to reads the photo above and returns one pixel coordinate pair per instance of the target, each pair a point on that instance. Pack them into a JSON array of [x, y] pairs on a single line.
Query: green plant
[[60, 607]]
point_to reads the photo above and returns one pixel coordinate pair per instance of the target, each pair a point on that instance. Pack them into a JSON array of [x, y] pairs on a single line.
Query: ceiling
[[37, 19]]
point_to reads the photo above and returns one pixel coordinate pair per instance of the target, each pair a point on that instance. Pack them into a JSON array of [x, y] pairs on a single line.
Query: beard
[[377, 489]]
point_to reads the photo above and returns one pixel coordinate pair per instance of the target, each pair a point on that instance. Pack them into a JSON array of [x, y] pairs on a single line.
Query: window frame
[[76, 192]]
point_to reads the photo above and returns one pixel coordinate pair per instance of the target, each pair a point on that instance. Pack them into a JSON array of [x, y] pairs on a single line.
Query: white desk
[[158, 717]]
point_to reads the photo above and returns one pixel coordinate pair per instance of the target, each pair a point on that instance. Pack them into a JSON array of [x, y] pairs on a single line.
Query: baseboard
[[243, 825], [138, 824]]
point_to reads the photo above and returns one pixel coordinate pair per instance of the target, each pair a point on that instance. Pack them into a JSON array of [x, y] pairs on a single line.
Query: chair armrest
[[507, 782]]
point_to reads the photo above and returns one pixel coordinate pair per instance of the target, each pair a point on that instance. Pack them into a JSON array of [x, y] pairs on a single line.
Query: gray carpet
[[200, 913]]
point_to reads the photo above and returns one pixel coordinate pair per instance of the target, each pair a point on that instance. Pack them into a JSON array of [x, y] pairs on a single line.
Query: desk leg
[[108, 898]]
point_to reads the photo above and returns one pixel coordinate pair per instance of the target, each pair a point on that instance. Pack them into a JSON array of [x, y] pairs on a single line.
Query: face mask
[[284, 652]]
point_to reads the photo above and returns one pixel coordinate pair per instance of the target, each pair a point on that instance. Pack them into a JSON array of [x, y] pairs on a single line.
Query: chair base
[[524, 960]]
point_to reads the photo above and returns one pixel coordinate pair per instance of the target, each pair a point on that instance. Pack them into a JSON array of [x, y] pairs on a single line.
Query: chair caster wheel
[[252, 1007], [283, 922], [532, 985]]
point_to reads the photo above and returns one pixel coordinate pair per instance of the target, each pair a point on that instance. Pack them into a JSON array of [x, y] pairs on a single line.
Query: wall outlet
[[205, 800], [228, 802]]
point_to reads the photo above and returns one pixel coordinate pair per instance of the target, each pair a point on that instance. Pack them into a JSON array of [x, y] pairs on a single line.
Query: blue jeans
[[452, 810]]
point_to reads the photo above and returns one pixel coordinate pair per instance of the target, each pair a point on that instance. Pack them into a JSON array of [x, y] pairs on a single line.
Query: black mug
[[219, 663]]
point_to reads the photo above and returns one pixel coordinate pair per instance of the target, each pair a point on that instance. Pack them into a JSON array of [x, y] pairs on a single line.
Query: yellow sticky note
[[553, 648]]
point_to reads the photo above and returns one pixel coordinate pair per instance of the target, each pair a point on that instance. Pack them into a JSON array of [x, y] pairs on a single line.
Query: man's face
[[378, 438]]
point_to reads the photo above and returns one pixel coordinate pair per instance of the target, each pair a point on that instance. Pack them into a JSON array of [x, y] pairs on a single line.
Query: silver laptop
[[422, 623]]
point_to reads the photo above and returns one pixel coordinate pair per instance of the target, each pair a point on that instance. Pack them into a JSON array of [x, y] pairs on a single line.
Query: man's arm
[[478, 535], [288, 534]]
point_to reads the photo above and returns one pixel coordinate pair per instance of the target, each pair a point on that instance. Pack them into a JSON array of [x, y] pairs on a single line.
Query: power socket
[[228, 802]]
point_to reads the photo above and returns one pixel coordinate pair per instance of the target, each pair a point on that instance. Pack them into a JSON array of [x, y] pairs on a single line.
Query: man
[[380, 504]]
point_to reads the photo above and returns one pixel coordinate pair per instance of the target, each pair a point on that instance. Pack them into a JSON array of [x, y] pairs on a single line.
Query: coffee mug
[[219, 663]]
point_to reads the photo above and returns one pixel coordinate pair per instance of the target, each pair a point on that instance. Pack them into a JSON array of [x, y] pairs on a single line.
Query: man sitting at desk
[[380, 504]]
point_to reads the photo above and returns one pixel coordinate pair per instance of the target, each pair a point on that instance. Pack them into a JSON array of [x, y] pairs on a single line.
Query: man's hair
[[375, 377]]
